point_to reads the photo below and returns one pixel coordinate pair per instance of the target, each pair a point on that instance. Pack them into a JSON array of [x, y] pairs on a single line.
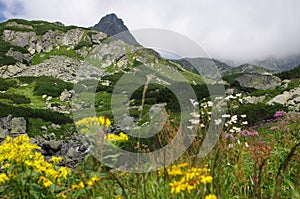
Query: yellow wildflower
[[211, 196], [121, 137], [206, 179], [93, 180], [176, 187], [118, 197], [80, 185], [3, 178], [45, 181], [56, 160], [64, 171]]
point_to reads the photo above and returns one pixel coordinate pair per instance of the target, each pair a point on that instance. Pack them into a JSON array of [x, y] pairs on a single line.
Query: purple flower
[[279, 114], [229, 136], [254, 134], [244, 133]]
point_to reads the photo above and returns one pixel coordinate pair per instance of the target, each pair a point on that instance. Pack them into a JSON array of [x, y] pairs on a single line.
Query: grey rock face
[[61, 67], [98, 37], [288, 98], [12, 126], [72, 37], [18, 125], [65, 96], [253, 100], [113, 26], [15, 54], [48, 41], [259, 82], [18, 38]]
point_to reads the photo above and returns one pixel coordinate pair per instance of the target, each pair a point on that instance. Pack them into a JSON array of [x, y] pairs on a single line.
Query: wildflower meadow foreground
[[246, 162]]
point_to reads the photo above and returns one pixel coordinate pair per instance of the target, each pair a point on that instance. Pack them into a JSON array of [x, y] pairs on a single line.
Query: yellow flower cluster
[[94, 121], [121, 137], [81, 184], [21, 155], [188, 178]]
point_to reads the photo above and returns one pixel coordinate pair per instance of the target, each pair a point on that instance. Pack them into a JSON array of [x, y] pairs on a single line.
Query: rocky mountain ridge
[[115, 27]]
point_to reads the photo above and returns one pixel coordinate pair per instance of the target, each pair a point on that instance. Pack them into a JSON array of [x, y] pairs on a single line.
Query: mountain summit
[[113, 26]]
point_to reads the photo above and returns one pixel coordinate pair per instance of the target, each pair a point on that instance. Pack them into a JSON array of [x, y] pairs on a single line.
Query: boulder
[[48, 41], [62, 67], [72, 37], [98, 37], [288, 98], [15, 54], [253, 100], [12, 126], [65, 96], [20, 38], [258, 82], [18, 125]]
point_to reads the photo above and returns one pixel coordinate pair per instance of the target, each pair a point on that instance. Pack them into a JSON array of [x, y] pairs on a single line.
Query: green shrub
[[40, 57], [27, 79], [5, 84], [39, 27], [51, 86], [293, 84], [82, 44], [272, 93], [7, 60], [15, 98], [6, 46], [291, 74], [45, 114], [230, 79], [258, 112], [113, 79]]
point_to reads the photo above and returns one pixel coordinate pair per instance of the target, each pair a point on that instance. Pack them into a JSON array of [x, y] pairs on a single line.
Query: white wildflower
[[226, 116], [209, 103], [246, 145], [190, 127], [218, 121], [194, 114], [193, 121]]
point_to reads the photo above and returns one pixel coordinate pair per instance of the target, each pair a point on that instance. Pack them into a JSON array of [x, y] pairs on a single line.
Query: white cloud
[[226, 29]]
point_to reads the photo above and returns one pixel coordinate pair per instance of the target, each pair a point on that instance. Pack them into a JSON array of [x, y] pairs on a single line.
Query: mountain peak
[[113, 26]]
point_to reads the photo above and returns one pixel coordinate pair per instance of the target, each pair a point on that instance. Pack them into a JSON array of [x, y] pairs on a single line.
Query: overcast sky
[[226, 29]]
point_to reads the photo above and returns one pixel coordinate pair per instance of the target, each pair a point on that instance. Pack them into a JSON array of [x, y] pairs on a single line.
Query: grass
[[61, 51], [37, 102], [262, 166]]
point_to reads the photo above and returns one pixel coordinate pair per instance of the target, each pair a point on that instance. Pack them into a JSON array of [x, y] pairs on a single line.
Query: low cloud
[[242, 31]]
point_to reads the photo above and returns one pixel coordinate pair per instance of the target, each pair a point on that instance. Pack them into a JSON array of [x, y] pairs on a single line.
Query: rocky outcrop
[[20, 38], [249, 69], [113, 26], [288, 98], [15, 24], [66, 95], [61, 67], [51, 39], [258, 82], [73, 150], [12, 126], [253, 100]]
